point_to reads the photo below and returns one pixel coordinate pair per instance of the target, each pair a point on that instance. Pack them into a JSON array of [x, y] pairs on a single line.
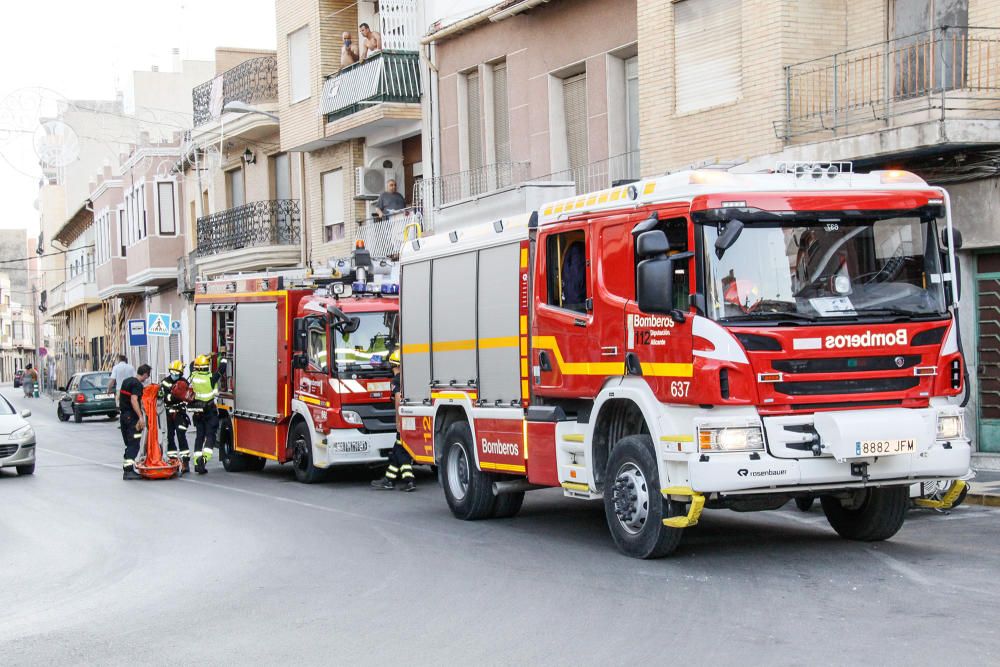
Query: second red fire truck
[[308, 380], [697, 341]]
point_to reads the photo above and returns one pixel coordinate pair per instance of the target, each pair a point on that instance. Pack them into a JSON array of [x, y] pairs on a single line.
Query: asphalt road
[[253, 567]]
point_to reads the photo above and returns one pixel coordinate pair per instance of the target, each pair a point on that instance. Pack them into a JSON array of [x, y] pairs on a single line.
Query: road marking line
[[903, 569]]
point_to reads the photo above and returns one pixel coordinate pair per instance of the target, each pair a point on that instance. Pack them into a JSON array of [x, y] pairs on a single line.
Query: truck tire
[[804, 503], [256, 463], [469, 491], [633, 504], [302, 459], [508, 505], [878, 517], [232, 461]]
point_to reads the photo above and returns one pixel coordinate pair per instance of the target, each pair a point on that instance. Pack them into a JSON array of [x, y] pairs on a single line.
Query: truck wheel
[[232, 461], [469, 491], [634, 507], [62, 415], [256, 463], [77, 416], [508, 505], [26, 469], [302, 460], [804, 503], [878, 515]]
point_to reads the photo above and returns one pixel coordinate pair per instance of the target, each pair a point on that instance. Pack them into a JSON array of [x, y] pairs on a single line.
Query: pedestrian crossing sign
[[158, 324]]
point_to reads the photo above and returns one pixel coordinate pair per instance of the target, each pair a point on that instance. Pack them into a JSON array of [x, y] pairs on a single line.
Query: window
[[632, 115], [298, 65], [165, 208], [575, 106], [927, 57], [501, 119], [316, 348], [121, 230], [282, 176], [707, 56], [474, 131], [333, 205], [234, 184], [676, 230], [566, 270]]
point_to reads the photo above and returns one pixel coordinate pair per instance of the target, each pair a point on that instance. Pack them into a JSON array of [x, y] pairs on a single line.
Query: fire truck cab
[[701, 340], [308, 379]]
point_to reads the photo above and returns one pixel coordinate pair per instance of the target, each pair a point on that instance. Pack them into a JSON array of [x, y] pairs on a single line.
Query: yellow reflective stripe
[[609, 368], [573, 437], [495, 343], [486, 465], [573, 486], [454, 345], [676, 438], [454, 394], [524, 258], [673, 370], [416, 348]]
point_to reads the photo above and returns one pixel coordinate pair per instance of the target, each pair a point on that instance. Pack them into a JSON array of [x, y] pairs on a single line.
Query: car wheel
[[877, 514], [77, 416], [302, 460], [62, 415], [469, 491], [112, 416], [633, 505], [26, 469]]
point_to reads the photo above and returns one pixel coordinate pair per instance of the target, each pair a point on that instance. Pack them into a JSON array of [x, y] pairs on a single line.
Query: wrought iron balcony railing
[[388, 76], [257, 224], [384, 236], [949, 71], [252, 81]]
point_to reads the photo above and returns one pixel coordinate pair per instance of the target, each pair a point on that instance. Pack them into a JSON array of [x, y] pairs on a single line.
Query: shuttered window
[[707, 59], [575, 104], [237, 195], [632, 115], [333, 205], [165, 208], [298, 65], [501, 119], [475, 121]]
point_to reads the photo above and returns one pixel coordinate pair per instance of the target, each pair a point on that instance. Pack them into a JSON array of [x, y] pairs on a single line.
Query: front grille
[[846, 364], [375, 417], [8, 450], [845, 405], [826, 387]]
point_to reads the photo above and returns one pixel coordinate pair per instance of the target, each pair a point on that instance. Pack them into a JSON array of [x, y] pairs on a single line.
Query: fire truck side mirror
[[956, 236], [300, 337], [728, 237]]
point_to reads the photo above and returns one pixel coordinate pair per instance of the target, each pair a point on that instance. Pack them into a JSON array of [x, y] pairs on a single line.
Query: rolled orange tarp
[[153, 466]]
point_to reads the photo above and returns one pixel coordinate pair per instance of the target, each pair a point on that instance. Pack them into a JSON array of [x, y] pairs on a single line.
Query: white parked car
[[17, 439]]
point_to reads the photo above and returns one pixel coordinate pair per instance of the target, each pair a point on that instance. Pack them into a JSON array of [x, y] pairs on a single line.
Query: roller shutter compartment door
[[453, 319], [415, 330], [256, 364], [499, 317]]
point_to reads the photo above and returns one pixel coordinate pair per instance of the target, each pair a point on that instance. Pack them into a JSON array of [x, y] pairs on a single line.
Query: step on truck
[[703, 340], [308, 381]]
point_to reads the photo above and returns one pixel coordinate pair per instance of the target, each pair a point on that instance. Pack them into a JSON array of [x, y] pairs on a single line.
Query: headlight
[[23, 433], [352, 417], [730, 439], [950, 427]]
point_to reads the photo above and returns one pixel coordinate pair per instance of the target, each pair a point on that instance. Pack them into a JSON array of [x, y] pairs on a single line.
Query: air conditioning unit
[[371, 182]]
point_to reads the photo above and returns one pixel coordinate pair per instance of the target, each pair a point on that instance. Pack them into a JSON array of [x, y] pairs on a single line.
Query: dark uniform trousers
[[128, 421], [177, 422], [206, 424]]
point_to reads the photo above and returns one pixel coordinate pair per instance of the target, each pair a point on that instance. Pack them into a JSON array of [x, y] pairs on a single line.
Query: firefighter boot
[[409, 484], [185, 461], [388, 482], [128, 472], [199, 463]]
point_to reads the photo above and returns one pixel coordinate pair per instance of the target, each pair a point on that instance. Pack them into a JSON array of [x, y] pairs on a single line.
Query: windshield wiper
[[895, 311], [776, 316]]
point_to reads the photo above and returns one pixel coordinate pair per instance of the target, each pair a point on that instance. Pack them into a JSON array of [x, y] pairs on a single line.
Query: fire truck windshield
[[366, 350], [826, 269]]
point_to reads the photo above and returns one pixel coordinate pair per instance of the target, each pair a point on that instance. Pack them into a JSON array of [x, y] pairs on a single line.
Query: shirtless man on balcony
[[348, 52], [371, 41]]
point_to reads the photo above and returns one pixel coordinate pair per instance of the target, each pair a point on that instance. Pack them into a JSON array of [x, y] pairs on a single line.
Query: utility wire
[[47, 254]]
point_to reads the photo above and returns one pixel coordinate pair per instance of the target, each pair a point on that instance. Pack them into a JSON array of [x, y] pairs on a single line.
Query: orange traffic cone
[[153, 466]]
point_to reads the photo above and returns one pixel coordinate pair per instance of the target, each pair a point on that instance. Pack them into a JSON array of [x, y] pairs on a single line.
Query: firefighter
[[131, 419], [205, 385], [173, 392], [400, 462]]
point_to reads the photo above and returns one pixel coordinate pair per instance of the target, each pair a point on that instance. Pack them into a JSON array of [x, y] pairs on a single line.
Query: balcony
[[939, 86], [384, 237], [112, 279], [55, 300], [152, 261], [81, 290], [250, 237], [253, 81], [383, 91]]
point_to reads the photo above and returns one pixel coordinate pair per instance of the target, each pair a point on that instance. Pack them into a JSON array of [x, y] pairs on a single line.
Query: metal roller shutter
[[575, 101], [707, 48]]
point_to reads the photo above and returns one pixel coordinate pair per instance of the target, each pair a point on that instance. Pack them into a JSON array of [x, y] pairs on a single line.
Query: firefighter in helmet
[[174, 394], [205, 385], [400, 462]]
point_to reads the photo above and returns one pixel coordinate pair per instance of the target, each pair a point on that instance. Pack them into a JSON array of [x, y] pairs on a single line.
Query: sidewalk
[[985, 489]]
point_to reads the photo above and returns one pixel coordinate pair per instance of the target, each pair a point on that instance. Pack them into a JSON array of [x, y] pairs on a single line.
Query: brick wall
[[346, 156]]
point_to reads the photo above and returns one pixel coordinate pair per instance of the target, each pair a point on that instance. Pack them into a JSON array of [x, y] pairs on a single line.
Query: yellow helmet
[[394, 358], [202, 363], [177, 365]]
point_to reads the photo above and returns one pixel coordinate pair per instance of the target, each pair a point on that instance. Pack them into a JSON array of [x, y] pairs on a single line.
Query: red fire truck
[[701, 340], [308, 379]]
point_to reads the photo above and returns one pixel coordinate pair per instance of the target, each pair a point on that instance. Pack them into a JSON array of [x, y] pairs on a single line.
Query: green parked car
[[85, 396]]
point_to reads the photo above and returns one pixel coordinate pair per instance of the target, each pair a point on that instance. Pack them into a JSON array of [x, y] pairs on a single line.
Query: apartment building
[[80, 317], [354, 125], [17, 324], [528, 102], [906, 84]]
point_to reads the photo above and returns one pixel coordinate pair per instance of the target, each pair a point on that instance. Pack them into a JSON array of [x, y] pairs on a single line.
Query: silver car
[[17, 439]]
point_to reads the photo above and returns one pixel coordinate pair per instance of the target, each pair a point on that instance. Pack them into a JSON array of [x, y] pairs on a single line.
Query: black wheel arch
[[617, 419]]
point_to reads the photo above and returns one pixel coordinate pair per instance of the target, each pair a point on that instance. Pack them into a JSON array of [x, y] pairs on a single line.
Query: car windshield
[[6, 408], [95, 381], [367, 348], [826, 269]]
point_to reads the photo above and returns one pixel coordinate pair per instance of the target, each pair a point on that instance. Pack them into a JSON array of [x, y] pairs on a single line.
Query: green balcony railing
[[388, 76]]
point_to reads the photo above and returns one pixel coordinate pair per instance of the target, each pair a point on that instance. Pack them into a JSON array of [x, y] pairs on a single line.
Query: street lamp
[[241, 107]]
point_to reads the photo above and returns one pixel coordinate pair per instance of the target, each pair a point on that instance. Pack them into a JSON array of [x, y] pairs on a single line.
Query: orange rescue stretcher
[[152, 465]]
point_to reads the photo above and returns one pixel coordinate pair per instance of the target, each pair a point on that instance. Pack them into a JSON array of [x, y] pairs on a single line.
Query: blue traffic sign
[[158, 324], [137, 333]]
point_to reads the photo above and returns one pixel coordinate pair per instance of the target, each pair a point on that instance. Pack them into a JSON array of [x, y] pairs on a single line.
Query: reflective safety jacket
[[205, 390]]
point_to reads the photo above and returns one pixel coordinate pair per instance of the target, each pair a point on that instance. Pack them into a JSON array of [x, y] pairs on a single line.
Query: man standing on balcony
[[390, 200], [371, 42], [348, 52]]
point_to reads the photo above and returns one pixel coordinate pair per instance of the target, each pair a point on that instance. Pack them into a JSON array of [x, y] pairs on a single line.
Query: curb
[[986, 499]]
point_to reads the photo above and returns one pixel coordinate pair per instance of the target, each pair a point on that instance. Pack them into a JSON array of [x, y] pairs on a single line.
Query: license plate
[[378, 386], [885, 447], [351, 447], [101, 397]]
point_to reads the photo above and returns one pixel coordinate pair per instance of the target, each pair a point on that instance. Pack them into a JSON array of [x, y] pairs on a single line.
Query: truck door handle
[[543, 361], [579, 323]]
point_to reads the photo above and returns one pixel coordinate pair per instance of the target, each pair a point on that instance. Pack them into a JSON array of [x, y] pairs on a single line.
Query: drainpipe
[[303, 228], [433, 138]]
